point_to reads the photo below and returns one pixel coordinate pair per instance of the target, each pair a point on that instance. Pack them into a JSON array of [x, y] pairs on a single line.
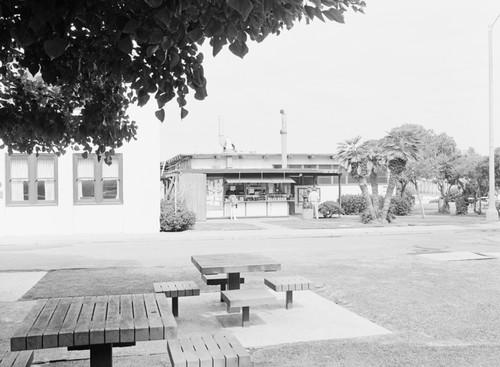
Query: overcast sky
[[422, 62]]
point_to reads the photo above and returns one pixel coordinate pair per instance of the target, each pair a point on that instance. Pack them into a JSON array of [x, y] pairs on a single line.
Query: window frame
[[32, 180], [98, 198]]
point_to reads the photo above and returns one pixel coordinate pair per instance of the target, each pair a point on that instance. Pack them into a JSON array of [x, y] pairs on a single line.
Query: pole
[[491, 213]]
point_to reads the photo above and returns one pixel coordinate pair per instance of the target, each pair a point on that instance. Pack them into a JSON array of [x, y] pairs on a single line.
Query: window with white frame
[[97, 182], [31, 180]]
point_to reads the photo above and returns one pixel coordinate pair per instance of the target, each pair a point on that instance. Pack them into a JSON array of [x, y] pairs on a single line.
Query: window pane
[[110, 189], [19, 168], [45, 167], [85, 168], [86, 189], [111, 170], [46, 190]]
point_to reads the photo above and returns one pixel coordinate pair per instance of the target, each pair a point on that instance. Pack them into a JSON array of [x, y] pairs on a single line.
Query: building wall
[[193, 189], [139, 212]]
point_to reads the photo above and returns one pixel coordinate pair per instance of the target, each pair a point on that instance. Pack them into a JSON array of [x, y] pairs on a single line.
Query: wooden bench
[[17, 359], [288, 285], [245, 298], [218, 279], [212, 350], [175, 290]]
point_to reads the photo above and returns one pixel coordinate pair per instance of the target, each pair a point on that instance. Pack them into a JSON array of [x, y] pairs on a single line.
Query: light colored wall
[[139, 212]]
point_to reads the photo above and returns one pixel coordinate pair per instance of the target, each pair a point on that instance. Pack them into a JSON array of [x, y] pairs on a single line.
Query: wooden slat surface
[[247, 297], [95, 320], [141, 325], [190, 355], [243, 355], [234, 263], [175, 353], [66, 334], [34, 338], [50, 337], [16, 359], [18, 339], [229, 353], [292, 283], [201, 350], [112, 328], [214, 350], [177, 288]]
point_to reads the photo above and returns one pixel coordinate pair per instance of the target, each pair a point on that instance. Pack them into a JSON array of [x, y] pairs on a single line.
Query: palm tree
[[375, 164], [353, 159], [398, 147]]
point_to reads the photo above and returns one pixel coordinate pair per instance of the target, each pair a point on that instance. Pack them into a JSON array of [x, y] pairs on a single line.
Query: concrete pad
[[311, 318], [455, 256], [14, 284]]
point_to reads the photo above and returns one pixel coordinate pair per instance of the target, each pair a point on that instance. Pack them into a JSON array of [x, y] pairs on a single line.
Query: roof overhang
[[258, 180]]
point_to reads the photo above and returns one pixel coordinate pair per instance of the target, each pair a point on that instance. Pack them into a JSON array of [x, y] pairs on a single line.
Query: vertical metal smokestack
[[284, 162]]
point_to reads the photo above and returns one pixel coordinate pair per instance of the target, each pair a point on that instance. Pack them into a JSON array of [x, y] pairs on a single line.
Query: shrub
[[175, 221], [367, 217], [329, 208], [353, 204], [402, 205], [462, 205]]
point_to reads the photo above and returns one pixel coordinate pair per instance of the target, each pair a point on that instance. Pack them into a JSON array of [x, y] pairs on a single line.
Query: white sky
[[422, 62]]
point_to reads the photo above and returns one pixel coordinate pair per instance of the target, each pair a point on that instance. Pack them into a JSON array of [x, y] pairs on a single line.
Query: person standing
[[233, 203], [314, 200]]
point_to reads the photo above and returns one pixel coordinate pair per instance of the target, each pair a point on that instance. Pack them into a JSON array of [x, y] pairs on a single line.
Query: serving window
[[259, 190]]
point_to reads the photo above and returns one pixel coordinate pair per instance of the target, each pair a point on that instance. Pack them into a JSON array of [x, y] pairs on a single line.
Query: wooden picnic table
[[233, 264], [98, 323]]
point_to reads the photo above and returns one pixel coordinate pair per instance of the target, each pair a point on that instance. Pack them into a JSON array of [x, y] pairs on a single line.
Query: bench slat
[[217, 356], [243, 355], [201, 350], [51, 334], [34, 339], [229, 353], [141, 326], [18, 340], [17, 359], [66, 334], [247, 297], [82, 335], [190, 355], [95, 328], [169, 323], [175, 353], [112, 332], [154, 318], [126, 319]]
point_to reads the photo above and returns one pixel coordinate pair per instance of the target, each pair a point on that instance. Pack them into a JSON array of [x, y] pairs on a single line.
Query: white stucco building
[[50, 195]]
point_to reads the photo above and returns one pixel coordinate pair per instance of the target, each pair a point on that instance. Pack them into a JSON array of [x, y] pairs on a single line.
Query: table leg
[[175, 306], [246, 317], [233, 281], [101, 355]]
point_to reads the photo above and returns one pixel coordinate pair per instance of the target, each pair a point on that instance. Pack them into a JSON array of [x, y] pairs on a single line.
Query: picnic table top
[[234, 263], [93, 320]]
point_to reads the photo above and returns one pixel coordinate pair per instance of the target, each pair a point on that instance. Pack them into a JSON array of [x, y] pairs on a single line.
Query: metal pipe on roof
[[283, 132]]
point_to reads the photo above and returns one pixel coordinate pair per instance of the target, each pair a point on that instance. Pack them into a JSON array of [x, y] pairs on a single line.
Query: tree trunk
[[388, 195], [419, 199], [363, 185], [375, 198]]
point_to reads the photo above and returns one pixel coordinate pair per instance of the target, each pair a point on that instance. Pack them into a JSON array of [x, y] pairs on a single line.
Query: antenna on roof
[[224, 141]]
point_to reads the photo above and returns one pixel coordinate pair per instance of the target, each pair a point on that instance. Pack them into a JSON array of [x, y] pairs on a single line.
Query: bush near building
[[400, 205], [329, 208], [172, 220]]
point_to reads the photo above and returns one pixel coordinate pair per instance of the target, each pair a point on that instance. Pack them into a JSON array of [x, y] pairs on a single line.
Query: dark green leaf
[[125, 45], [156, 36], [244, 7], [160, 114], [131, 26], [195, 35], [309, 11], [154, 3], [334, 14], [151, 50], [33, 69], [239, 49], [55, 47], [184, 113], [174, 59]]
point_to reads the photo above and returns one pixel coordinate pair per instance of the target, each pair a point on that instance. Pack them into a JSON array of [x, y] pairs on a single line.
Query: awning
[[258, 180]]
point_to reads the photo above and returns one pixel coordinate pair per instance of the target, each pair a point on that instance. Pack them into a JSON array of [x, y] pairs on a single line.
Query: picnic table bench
[[212, 350], [175, 290], [245, 298], [288, 285], [17, 359], [98, 323]]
